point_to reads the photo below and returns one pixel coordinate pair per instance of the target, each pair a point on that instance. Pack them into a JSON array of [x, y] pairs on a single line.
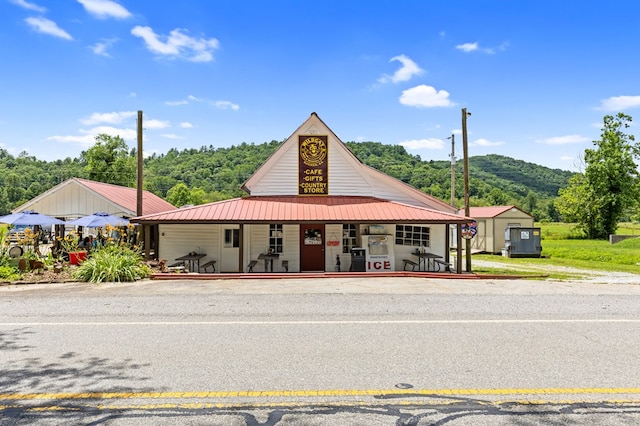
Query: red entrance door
[[312, 247]]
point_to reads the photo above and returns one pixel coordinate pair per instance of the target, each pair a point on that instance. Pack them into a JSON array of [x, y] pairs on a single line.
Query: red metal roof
[[127, 197], [490, 211], [303, 209]]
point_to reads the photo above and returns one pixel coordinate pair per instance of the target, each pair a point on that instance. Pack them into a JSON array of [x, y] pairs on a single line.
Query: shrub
[[8, 273], [116, 263]]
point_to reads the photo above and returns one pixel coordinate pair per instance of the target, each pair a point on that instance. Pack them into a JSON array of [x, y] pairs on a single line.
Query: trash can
[[358, 260]]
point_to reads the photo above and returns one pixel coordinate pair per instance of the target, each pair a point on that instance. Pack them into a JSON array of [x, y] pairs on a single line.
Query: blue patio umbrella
[[99, 220], [29, 218]]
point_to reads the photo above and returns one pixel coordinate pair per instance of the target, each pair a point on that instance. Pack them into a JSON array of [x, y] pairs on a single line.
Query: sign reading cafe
[[313, 178]]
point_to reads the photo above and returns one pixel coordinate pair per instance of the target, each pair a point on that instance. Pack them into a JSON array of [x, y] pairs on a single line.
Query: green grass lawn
[[561, 248], [563, 231]]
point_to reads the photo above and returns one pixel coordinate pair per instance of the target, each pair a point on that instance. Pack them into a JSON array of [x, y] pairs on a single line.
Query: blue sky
[[536, 76]]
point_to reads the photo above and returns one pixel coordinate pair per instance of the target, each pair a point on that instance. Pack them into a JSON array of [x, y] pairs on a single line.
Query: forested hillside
[[194, 176]]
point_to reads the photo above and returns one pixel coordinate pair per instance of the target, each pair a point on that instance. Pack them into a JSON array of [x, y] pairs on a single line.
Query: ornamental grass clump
[[112, 263]]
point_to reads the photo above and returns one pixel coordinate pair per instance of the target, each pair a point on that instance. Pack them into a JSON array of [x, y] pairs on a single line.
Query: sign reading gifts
[[313, 178]]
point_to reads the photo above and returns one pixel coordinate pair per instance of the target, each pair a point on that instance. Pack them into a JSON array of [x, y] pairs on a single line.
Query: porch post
[[241, 249], [459, 248], [447, 229], [146, 234]]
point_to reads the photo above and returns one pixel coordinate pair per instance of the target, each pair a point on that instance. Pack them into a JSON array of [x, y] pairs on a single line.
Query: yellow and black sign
[[313, 177]]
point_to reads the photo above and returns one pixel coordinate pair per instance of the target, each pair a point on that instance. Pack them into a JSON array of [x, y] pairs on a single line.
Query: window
[[275, 237], [408, 235], [348, 237], [232, 238]]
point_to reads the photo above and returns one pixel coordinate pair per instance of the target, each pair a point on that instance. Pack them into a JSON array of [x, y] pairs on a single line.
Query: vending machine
[[380, 253]]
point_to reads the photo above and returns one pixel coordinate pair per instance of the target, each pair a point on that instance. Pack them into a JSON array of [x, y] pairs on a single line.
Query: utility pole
[[465, 153], [139, 189], [142, 235], [453, 170]]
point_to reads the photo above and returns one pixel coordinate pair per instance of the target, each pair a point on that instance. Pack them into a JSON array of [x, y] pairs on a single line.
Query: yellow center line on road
[[269, 399], [319, 393]]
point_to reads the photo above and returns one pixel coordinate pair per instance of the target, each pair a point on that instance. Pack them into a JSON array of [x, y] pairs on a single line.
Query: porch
[[161, 276]]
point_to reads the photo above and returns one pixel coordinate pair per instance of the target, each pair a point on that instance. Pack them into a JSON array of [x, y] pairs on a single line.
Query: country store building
[[311, 207]]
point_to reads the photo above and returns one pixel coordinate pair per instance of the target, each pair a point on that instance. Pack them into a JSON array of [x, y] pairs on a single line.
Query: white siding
[[291, 248], [257, 241], [178, 240], [344, 178], [282, 178], [437, 235], [73, 201]]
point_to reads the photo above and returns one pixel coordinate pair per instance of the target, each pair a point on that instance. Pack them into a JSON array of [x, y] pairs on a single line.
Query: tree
[[530, 202], [496, 197], [109, 161], [197, 196], [15, 190], [597, 200], [179, 195]]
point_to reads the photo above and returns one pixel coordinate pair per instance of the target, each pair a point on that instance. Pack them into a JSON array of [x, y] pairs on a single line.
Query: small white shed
[[492, 224]]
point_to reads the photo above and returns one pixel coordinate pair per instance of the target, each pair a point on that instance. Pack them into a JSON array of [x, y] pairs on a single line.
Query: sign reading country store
[[313, 177]]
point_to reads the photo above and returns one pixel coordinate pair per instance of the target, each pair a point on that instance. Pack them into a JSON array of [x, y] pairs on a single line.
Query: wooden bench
[[409, 262], [285, 265], [176, 267], [210, 264], [251, 265], [442, 263]]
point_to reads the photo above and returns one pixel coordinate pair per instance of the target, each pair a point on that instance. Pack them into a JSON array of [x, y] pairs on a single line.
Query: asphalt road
[[326, 351]]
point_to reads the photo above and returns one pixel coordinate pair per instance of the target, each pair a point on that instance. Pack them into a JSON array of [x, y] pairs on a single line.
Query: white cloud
[[186, 101], [405, 73], [619, 103], [155, 124], [424, 96], [126, 133], [563, 140], [85, 140], [47, 26], [29, 6], [177, 44], [485, 142], [186, 125], [176, 103], [416, 144], [103, 9], [101, 47], [473, 47], [87, 137], [467, 47], [108, 117], [226, 105], [171, 136], [147, 154]]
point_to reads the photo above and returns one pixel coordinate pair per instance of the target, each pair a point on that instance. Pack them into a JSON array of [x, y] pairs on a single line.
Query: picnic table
[[268, 260], [426, 260], [192, 261]]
